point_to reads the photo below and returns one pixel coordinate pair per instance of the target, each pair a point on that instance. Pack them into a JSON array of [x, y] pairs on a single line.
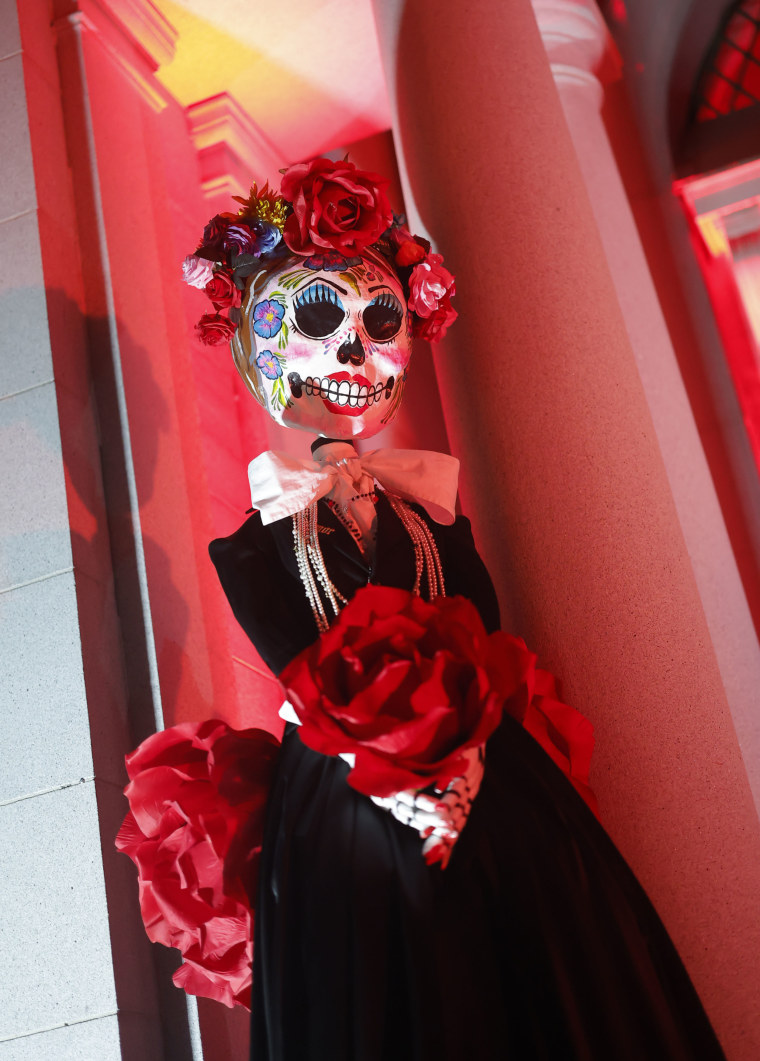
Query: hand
[[439, 818]]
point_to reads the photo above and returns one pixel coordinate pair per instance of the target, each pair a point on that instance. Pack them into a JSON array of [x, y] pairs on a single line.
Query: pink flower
[[434, 327], [197, 271], [335, 207], [429, 285]]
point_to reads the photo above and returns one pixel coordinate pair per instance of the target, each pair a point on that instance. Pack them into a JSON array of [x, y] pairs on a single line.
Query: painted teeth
[[345, 392]]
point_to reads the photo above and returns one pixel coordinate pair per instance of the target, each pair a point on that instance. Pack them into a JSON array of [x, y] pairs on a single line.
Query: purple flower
[[330, 262], [250, 237], [267, 318], [228, 236], [239, 239], [268, 236], [269, 364]]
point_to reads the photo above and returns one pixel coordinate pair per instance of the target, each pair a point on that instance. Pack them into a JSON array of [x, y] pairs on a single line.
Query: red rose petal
[[407, 685], [181, 831]]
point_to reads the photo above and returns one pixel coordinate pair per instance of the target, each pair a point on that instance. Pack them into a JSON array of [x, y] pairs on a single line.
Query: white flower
[[197, 271]]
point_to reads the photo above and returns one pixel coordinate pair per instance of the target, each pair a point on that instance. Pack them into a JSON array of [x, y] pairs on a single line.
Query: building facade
[[589, 388]]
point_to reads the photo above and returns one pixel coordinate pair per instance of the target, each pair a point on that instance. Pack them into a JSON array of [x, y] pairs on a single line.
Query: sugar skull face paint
[[325, 342]]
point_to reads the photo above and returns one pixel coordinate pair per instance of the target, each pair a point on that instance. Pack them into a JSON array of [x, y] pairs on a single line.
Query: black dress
[[536, 942]]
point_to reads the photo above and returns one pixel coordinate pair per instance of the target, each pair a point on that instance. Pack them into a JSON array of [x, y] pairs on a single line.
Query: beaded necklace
[[321, 592]]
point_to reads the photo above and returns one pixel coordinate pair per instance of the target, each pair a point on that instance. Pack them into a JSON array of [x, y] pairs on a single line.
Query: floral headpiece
[[329, 212]]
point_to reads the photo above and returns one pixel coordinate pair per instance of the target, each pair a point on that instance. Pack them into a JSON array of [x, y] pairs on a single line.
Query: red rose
[[406, 686], [335, 207], [409, 249], [197, 797], [214, 329], [434, 327], [222, 291]]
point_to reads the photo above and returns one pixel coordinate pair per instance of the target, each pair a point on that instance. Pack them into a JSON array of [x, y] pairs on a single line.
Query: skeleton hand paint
[[439, 819]]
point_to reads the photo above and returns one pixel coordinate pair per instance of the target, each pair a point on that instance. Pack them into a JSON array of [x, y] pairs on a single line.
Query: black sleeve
[[465, 573], [267, 601]]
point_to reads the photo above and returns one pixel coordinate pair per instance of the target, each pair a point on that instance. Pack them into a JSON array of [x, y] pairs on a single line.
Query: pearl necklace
[[313, 572], [426, 557], [311, 567]]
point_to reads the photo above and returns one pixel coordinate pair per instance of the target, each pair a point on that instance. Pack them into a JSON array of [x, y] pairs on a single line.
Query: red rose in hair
[[434, 327], [409, 249], [214, 329], [335, 207], [406, 686], [222, 291], [197, 797]]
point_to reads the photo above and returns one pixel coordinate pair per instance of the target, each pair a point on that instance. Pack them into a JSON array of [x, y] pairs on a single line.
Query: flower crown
[[329, 212]]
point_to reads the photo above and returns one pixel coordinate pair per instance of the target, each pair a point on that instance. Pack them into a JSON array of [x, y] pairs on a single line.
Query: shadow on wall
[[115, 650]]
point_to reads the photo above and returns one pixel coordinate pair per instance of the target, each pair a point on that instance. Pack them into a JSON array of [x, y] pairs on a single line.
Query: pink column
[[584, 63], [565, 479]]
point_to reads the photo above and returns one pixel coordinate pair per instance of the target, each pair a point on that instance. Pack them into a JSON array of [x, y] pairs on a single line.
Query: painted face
[[326, 348]]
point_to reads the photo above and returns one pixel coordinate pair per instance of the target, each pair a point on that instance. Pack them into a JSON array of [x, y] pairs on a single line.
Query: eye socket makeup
[[383, 317], [318, 311]]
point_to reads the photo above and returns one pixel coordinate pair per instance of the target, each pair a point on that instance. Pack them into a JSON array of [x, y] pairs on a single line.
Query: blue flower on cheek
[[267, 317], [269, 364]]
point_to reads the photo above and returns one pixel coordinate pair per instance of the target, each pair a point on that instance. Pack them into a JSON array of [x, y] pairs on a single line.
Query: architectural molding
[[573, 75], [576, 36], [121, 43], [232, 149], [139, 21]]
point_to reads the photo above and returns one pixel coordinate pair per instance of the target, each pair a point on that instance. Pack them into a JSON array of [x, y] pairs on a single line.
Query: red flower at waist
[[406, 686]]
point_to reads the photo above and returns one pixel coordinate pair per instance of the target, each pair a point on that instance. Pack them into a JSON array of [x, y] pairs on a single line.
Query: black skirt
[[536, 942]]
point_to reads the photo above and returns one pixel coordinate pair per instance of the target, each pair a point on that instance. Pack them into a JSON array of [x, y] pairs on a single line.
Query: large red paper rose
[[563, 732], [335, 207], [197, 797], [406, 686]]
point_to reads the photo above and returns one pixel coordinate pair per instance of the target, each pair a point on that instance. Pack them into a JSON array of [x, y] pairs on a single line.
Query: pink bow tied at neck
[[282, 485]]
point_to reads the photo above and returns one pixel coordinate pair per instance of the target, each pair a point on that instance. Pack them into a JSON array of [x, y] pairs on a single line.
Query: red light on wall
[[724, 213], [731, 80], [617, 11]]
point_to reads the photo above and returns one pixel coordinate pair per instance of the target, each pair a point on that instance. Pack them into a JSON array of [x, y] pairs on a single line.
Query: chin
[[338, 427]]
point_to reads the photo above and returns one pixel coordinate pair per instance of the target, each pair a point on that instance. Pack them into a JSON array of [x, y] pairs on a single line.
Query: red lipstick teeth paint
[[342, 393]]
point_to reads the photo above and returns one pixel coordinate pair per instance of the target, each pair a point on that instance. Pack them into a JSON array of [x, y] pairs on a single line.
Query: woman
[[487, 914]]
